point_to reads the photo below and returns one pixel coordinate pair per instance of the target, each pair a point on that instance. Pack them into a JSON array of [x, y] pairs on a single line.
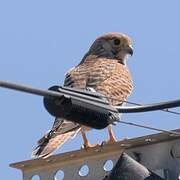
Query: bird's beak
[[129, 50]]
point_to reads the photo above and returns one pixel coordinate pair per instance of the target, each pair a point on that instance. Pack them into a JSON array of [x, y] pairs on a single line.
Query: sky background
[[40, 40]]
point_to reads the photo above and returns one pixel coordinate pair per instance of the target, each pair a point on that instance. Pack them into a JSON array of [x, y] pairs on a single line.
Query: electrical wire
[[158, 106], [150, 128], [122, 109], [138, 104], [143, 126]]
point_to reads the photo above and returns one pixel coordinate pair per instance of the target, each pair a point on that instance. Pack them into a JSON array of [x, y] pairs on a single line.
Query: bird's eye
[[117, 42]]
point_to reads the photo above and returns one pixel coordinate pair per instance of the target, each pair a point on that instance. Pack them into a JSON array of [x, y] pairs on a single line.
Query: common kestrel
[[102, 69]]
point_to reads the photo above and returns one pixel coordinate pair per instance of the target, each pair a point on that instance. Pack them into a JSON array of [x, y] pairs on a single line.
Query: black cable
[[133, 103], [172, 112], [121, 109], [151, 128], [148, 107], [28, 89], [164, 110]]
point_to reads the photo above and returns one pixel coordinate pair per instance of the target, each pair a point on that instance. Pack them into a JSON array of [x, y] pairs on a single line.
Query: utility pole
[[157, 152]]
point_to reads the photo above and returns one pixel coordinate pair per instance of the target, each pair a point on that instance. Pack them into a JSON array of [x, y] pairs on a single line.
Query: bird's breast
[[106, 76]]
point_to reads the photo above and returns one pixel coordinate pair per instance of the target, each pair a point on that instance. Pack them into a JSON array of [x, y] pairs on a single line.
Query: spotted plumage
[[106, 76], [103, 69]]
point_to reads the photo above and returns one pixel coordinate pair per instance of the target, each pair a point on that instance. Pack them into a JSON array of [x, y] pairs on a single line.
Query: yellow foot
[[111, 141], [87, 146]]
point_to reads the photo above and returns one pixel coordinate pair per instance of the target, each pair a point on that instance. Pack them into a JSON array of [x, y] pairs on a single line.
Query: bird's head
[[113, 46]]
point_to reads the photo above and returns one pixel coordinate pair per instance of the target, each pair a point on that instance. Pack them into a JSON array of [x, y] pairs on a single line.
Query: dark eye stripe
[[117, 42]]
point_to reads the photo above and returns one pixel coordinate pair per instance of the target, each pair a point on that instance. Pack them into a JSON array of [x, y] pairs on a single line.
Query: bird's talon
[[110, 141], [87, 146]]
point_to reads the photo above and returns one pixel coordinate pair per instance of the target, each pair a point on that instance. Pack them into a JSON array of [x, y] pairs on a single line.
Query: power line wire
[[139, 108], [138, 104], [164, 110], [122, 109], [150, 128]]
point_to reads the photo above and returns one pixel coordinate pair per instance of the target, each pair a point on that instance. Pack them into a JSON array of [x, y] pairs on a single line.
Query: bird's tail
[[55, 138]]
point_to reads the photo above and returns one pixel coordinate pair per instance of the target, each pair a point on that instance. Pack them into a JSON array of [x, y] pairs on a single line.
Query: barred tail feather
[[48, 145], [62, 131]]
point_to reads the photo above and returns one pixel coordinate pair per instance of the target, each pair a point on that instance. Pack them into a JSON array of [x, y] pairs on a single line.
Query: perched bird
[[102, 69]]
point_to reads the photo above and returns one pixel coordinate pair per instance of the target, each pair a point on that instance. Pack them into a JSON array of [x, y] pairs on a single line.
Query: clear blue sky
[[40, 40]]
